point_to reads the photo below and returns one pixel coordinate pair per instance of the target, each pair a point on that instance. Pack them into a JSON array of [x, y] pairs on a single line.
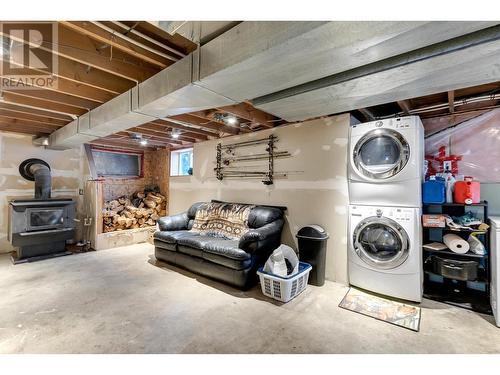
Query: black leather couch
[[232, 261]]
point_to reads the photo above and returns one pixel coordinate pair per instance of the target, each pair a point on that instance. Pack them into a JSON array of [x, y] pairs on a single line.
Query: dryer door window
[[381, 243], [381, 154]]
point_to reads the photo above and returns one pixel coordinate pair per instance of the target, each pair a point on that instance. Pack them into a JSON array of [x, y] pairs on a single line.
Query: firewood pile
[[142, 210]]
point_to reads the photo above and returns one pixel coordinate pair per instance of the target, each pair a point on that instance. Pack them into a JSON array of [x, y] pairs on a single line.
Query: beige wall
[[315, 192], [66, 169]]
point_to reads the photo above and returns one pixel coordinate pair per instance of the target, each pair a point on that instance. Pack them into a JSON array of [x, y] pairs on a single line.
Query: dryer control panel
[[392, 123], [395, 213]]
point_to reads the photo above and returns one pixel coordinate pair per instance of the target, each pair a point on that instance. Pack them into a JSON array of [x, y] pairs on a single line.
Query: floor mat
[[397, 313]]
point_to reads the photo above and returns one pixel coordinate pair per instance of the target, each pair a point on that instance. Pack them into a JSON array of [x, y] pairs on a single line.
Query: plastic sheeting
[[478, 141]]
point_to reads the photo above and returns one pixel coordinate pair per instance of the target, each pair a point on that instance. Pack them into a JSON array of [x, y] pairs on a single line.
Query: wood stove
[[40, 227]]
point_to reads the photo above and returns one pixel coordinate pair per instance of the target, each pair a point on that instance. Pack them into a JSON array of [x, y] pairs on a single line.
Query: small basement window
[[181, 162], [117, 163]]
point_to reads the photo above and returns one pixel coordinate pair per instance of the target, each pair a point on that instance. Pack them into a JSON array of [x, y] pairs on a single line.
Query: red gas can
[[467, 191]]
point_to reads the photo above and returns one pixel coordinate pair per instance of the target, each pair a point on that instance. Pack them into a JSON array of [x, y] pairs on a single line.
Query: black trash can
[[312, 249]]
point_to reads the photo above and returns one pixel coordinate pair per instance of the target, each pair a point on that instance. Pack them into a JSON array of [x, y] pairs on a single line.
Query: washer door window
[[381, 154], [381, 243]]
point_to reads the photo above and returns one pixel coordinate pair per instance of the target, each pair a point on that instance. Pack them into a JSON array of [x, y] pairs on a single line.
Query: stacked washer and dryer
[[385, 175]]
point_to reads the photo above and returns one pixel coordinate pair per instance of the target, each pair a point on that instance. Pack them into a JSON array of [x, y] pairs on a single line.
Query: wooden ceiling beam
[[165, 123], [57, 97], [161, 135], [91, 95], [125, 136], [451, 101], [143, 38], [16, 119], [23, 129], [162, 129], [151, 135], [80, 48], [25, 99], [204, 115], [204, 123], [17, 125], [405, 106], [95, 31], [75, 72], [180, 43], [35, 112], [120, 145], [33, 117], [249, 113], [367, 113]]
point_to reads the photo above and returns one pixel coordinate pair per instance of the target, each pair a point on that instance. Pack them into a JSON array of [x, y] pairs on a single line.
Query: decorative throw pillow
[[226, 220]]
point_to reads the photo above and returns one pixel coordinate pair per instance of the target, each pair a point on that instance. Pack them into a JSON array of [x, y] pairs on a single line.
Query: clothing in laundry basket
[[282, 262]]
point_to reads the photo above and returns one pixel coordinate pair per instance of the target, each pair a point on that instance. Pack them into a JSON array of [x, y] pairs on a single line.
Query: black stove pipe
[[38, 171], [43, 181]]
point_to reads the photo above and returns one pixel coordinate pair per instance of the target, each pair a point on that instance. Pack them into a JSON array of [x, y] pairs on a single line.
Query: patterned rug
[[397, 313]]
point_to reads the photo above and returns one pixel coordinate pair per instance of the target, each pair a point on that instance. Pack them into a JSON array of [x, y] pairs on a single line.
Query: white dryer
[[385, 250], [386, 162]]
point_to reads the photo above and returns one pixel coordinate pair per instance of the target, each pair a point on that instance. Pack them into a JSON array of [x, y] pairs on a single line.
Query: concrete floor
[[122, 301]]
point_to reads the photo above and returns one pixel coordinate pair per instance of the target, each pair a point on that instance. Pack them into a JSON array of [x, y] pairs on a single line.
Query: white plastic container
[[284, 288]]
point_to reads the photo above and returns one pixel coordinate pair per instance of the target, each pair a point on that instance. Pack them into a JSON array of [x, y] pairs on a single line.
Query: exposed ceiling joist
[[15, 119], [26, 109], [160, 136], [24, 98], [99, 32], [451, 101], [368, 114], [121, 145], [80, 48], [57, 97], [5, 126], [204, 123], [164, 130], [249, 113], [151, 141], [176, 125], [73, 71], [147, 39], [405, 106], [35, 127], [25, 115]]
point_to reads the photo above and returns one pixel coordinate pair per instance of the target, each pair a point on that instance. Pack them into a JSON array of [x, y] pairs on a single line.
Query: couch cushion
[[215, 245], [225, 248], [173, 236], [234, 264], [193, 251], [165, 245], [262, 215]]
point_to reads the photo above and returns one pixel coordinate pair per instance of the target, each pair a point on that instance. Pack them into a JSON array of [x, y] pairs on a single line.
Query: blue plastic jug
[[434, 191]]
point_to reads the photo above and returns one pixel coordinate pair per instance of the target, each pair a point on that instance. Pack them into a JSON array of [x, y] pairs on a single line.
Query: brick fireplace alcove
[[101, 189]]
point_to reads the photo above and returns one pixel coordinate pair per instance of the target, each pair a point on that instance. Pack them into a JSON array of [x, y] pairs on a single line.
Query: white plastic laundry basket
[[284, 288]]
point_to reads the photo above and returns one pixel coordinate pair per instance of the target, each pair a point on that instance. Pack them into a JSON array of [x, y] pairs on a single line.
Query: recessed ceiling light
[[231, 120], [175, 135], [143, 142]]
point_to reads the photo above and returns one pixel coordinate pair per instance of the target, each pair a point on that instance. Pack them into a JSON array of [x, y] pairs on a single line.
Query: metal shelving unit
[[472, 295]]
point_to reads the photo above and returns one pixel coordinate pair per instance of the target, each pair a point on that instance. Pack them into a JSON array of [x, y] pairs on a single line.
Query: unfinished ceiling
[[176, 83], [97, 61]]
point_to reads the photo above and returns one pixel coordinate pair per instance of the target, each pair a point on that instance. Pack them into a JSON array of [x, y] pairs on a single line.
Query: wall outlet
[[80, 191]]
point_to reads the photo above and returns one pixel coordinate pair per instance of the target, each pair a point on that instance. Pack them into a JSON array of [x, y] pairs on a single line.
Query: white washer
[[495, 267], [385, 250], [386, 162]]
